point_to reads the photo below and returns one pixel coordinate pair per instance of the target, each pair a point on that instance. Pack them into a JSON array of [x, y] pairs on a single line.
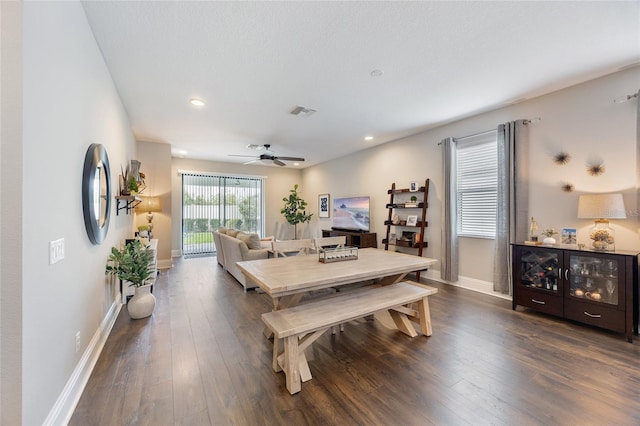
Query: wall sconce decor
[[561, 158], [602, 207], [149, 205]]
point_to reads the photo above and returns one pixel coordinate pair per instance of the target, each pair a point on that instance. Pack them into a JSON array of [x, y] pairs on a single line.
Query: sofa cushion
[[232, 232], [222, 230], [251, 240]]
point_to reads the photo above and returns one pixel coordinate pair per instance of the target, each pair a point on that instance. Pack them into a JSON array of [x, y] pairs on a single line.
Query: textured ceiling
[[252, 62]]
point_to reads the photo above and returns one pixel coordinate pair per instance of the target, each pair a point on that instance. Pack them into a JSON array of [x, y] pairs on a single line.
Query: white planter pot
[[549, 240], [142, 304]]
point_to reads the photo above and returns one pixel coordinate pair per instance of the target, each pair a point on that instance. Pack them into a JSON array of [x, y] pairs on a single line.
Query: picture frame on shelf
[[324, 210], [412, 220], [392, 238], [413, 186], [569, 236]]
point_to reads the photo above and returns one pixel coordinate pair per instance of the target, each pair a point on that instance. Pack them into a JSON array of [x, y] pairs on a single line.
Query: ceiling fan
[[268, 155]]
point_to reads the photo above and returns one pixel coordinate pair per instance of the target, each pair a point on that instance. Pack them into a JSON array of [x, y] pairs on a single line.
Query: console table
[[354, 238]]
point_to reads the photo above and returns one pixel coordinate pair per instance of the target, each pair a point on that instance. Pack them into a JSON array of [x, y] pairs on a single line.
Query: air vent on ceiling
[[302, 111]]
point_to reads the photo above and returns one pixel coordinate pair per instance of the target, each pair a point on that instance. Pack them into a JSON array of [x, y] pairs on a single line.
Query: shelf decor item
[[412, 220], [548, 234], [602, 207]]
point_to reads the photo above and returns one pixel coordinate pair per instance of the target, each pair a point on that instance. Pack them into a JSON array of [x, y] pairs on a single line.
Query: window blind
[[477, 178]]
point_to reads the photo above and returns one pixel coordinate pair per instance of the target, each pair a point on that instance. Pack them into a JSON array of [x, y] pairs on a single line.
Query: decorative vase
[[602, 236], [549, 240], [142, 304]]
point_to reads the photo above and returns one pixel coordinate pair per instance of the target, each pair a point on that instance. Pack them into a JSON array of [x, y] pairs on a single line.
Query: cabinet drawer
[[594, 314], [540, 301]]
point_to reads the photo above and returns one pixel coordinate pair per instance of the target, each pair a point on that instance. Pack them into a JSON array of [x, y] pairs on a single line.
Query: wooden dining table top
[[290, 275]]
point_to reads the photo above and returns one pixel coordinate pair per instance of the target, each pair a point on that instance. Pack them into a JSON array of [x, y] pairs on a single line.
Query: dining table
[[287, 279]]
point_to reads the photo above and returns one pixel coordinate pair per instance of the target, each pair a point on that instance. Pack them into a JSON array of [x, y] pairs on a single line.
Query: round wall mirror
[[96, 193]]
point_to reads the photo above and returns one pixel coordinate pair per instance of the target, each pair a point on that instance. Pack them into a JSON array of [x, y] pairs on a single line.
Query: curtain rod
[[527, 121], [625, 98]]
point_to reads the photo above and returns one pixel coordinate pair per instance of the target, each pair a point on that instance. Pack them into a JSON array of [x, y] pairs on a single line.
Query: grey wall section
[[10, 213], [70, 102], [156, 165]]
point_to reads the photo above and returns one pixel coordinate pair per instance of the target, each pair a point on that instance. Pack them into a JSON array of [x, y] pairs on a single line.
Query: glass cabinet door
[[594, 278], [539, 269]]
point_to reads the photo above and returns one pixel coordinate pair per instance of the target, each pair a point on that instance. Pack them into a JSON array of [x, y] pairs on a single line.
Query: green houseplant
[[132, 263], [294, 210]]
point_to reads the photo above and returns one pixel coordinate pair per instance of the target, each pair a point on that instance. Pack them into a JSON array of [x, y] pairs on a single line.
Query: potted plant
[[549, 233], [132, 264], [294, 210]]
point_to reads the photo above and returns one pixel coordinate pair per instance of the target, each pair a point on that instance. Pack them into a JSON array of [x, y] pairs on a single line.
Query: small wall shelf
[[129, 202]]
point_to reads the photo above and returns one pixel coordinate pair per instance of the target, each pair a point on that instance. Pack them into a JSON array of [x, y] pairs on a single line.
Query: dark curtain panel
[[449, 248], [512, 210]]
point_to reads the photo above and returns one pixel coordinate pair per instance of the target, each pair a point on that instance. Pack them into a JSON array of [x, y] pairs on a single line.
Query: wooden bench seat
[[301, 325]]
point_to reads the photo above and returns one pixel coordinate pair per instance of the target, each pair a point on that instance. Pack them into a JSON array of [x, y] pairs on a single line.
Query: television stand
[[358, 239]]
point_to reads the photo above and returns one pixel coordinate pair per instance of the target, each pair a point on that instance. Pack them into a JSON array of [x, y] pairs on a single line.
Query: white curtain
[[449, 245], [512, 204]]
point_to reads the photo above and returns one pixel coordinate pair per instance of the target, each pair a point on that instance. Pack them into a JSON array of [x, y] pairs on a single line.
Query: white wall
[[582, 120], [10, 212], [69, 103], [279, 180]]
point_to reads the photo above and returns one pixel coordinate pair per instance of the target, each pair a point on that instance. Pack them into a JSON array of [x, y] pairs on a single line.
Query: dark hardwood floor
[[201, 359]]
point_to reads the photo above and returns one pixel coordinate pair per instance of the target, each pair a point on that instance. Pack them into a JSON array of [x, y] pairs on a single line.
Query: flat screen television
[[351, 214]]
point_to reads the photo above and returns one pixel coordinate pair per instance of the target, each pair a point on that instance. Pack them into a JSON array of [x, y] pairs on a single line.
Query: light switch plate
[[56, 251]]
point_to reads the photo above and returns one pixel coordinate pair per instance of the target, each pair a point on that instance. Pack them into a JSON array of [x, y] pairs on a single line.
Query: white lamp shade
[[149, 204], [601, 206]]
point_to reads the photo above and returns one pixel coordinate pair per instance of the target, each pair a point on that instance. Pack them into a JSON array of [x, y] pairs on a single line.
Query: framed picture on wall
[[323, 205]]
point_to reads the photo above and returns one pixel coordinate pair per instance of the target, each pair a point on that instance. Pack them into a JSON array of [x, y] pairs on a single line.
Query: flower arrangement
[[549, 232]]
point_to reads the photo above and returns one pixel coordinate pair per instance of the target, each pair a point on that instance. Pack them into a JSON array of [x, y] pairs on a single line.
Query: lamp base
[[603, 238]]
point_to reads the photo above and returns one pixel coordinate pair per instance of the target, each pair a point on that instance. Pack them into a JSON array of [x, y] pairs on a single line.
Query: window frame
[[479, 192]]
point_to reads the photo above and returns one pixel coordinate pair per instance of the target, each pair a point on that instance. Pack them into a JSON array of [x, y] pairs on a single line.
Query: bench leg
[[425, 317], [292, 365], [402, 323]]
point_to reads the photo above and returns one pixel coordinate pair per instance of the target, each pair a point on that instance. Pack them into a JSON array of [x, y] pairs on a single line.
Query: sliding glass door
[[210, 201]]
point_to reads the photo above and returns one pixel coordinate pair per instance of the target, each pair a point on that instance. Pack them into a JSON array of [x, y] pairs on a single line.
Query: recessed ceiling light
[[376, 73], [296, 164], [368, 138], [197, 102]]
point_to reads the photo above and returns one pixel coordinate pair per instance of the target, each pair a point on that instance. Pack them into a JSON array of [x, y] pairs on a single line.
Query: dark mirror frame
[[96, 220]]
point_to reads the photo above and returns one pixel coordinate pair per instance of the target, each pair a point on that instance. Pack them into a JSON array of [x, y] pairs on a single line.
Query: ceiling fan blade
[[251, 161], [290, 158], [238, 155], [278, 162]]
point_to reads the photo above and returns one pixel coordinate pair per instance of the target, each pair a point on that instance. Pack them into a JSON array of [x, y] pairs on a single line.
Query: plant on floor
[[132, 263], [294, 210]]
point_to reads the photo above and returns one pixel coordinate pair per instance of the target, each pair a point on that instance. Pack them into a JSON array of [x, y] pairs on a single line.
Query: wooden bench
[[301, 325]]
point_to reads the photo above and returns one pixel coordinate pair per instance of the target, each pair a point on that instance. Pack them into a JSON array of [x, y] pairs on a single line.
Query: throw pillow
[[251, 240], [232, 232], [222, 230]]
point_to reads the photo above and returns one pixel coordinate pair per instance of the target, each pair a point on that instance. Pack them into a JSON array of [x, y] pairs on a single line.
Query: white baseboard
[[484, 287], [165, 263], [63, 409], [176, 253]]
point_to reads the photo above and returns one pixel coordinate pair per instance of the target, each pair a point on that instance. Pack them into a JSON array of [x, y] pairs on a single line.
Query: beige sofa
[[233, 246]]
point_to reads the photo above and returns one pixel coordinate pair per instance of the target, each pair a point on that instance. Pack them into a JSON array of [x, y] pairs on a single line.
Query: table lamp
[[602, 207], [150, 205]]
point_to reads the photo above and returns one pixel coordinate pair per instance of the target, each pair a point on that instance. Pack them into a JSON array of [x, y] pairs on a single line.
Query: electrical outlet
[[77, 341], [56, 251]]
